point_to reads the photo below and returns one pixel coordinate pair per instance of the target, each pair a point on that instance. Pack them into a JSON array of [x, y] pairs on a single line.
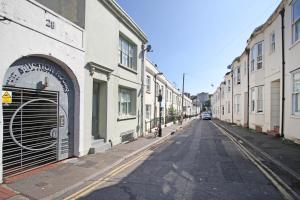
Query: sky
[[197, 37]]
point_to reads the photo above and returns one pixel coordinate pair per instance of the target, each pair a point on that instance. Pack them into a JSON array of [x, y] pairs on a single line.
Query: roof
[[124, 18], [270, 20]]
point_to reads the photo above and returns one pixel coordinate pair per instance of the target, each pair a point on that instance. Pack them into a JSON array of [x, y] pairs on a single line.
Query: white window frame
[[260, 99], [127, 98], [272, 42], [294, 93], [127, 53], [256, 59], [238, 75], [148, 111], [237, 103], [148, 84], [294, 22], [253, 102]]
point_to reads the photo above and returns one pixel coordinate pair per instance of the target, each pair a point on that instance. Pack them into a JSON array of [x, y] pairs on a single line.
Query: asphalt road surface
[[196, 163]]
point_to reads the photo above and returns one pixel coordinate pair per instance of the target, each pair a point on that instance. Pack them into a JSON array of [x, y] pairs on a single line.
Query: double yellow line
[[88, 189], [286, 191]]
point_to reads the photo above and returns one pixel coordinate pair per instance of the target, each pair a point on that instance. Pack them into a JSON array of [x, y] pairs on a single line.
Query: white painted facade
[[24, 32], [263, 61]]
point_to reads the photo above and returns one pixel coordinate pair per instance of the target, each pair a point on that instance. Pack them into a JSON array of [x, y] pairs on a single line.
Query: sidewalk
[[282, 156], [64, 176]]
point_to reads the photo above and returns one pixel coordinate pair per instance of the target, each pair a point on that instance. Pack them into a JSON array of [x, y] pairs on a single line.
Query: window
[[229, 86], [272, 40], [222, 110], [157, 89], [296, 20], [296, 93], [148, 111], [167, 94], [127, 99], [257, 56], [238, 78], [245, 68], [228, 106], [237, 103], [148, 84], [127, 54], [260, 99], [252, 99], [162, 91], [257, 99]]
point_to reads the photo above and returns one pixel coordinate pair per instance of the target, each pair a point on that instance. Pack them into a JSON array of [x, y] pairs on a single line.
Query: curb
[[288, 170], [62, 192]]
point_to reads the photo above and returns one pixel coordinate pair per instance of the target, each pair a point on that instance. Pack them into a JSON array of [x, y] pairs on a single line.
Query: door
[[31, 129]]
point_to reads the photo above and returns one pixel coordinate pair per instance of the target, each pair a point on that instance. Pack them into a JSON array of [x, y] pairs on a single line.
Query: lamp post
[[159, 99], [155, 77]]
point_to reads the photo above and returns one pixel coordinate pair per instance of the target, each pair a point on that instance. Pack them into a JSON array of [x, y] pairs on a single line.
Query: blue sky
[[197, 37]]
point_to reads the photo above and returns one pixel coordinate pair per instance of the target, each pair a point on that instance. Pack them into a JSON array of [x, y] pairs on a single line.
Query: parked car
[[206, 116]]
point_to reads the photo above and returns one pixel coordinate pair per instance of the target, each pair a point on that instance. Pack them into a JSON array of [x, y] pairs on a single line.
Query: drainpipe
[[220, 102], [283, 72], [142, 89], [248, 87], [232, 96]]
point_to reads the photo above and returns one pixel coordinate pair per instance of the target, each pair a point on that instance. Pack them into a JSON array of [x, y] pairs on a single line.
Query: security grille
[[30, 130]]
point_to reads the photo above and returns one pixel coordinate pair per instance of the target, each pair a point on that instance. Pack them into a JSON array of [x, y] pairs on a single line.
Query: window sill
[[128, 69], [295, 116], [294, 44], [148, 92], [126, 118]]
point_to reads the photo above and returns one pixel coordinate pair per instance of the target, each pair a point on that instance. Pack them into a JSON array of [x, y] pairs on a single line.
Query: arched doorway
[[38, 114]]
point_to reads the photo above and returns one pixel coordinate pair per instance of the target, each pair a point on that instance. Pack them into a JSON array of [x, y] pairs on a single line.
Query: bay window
[[252, 99], [257, 99], [257, 57], [296, 20], [296, 93], [260, 99], [127, 102], [127, 53]]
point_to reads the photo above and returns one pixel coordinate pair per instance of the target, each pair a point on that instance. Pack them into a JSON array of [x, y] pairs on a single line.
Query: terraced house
[[74, 81], [265, 77]]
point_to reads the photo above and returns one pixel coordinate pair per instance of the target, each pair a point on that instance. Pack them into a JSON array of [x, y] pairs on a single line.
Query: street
[[197, 163]]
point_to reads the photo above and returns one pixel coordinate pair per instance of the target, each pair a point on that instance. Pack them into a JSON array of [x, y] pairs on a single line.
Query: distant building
[[187, 94], [202, 98]]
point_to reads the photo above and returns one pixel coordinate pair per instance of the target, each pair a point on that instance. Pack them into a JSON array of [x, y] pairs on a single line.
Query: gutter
[[248, 86], [283, 72]]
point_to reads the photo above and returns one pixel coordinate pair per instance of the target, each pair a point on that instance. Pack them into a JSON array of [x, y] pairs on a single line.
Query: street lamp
[[155, 77]]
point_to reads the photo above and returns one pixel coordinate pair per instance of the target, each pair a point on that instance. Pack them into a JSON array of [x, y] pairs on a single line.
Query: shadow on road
[[199, 163]]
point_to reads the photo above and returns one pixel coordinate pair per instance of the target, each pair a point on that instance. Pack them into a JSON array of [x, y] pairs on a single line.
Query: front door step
[[99, 146]]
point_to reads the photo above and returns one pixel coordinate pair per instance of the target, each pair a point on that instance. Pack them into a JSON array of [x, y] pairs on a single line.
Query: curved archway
[[41, 76]]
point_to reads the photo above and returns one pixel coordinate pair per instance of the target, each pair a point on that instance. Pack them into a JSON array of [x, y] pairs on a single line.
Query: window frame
[[129, 105], [293, 94], [260, 99], [294, 23], [148, 84], [148, 112], [252, 98], [272, 42], [129, 58], [257, 59]]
